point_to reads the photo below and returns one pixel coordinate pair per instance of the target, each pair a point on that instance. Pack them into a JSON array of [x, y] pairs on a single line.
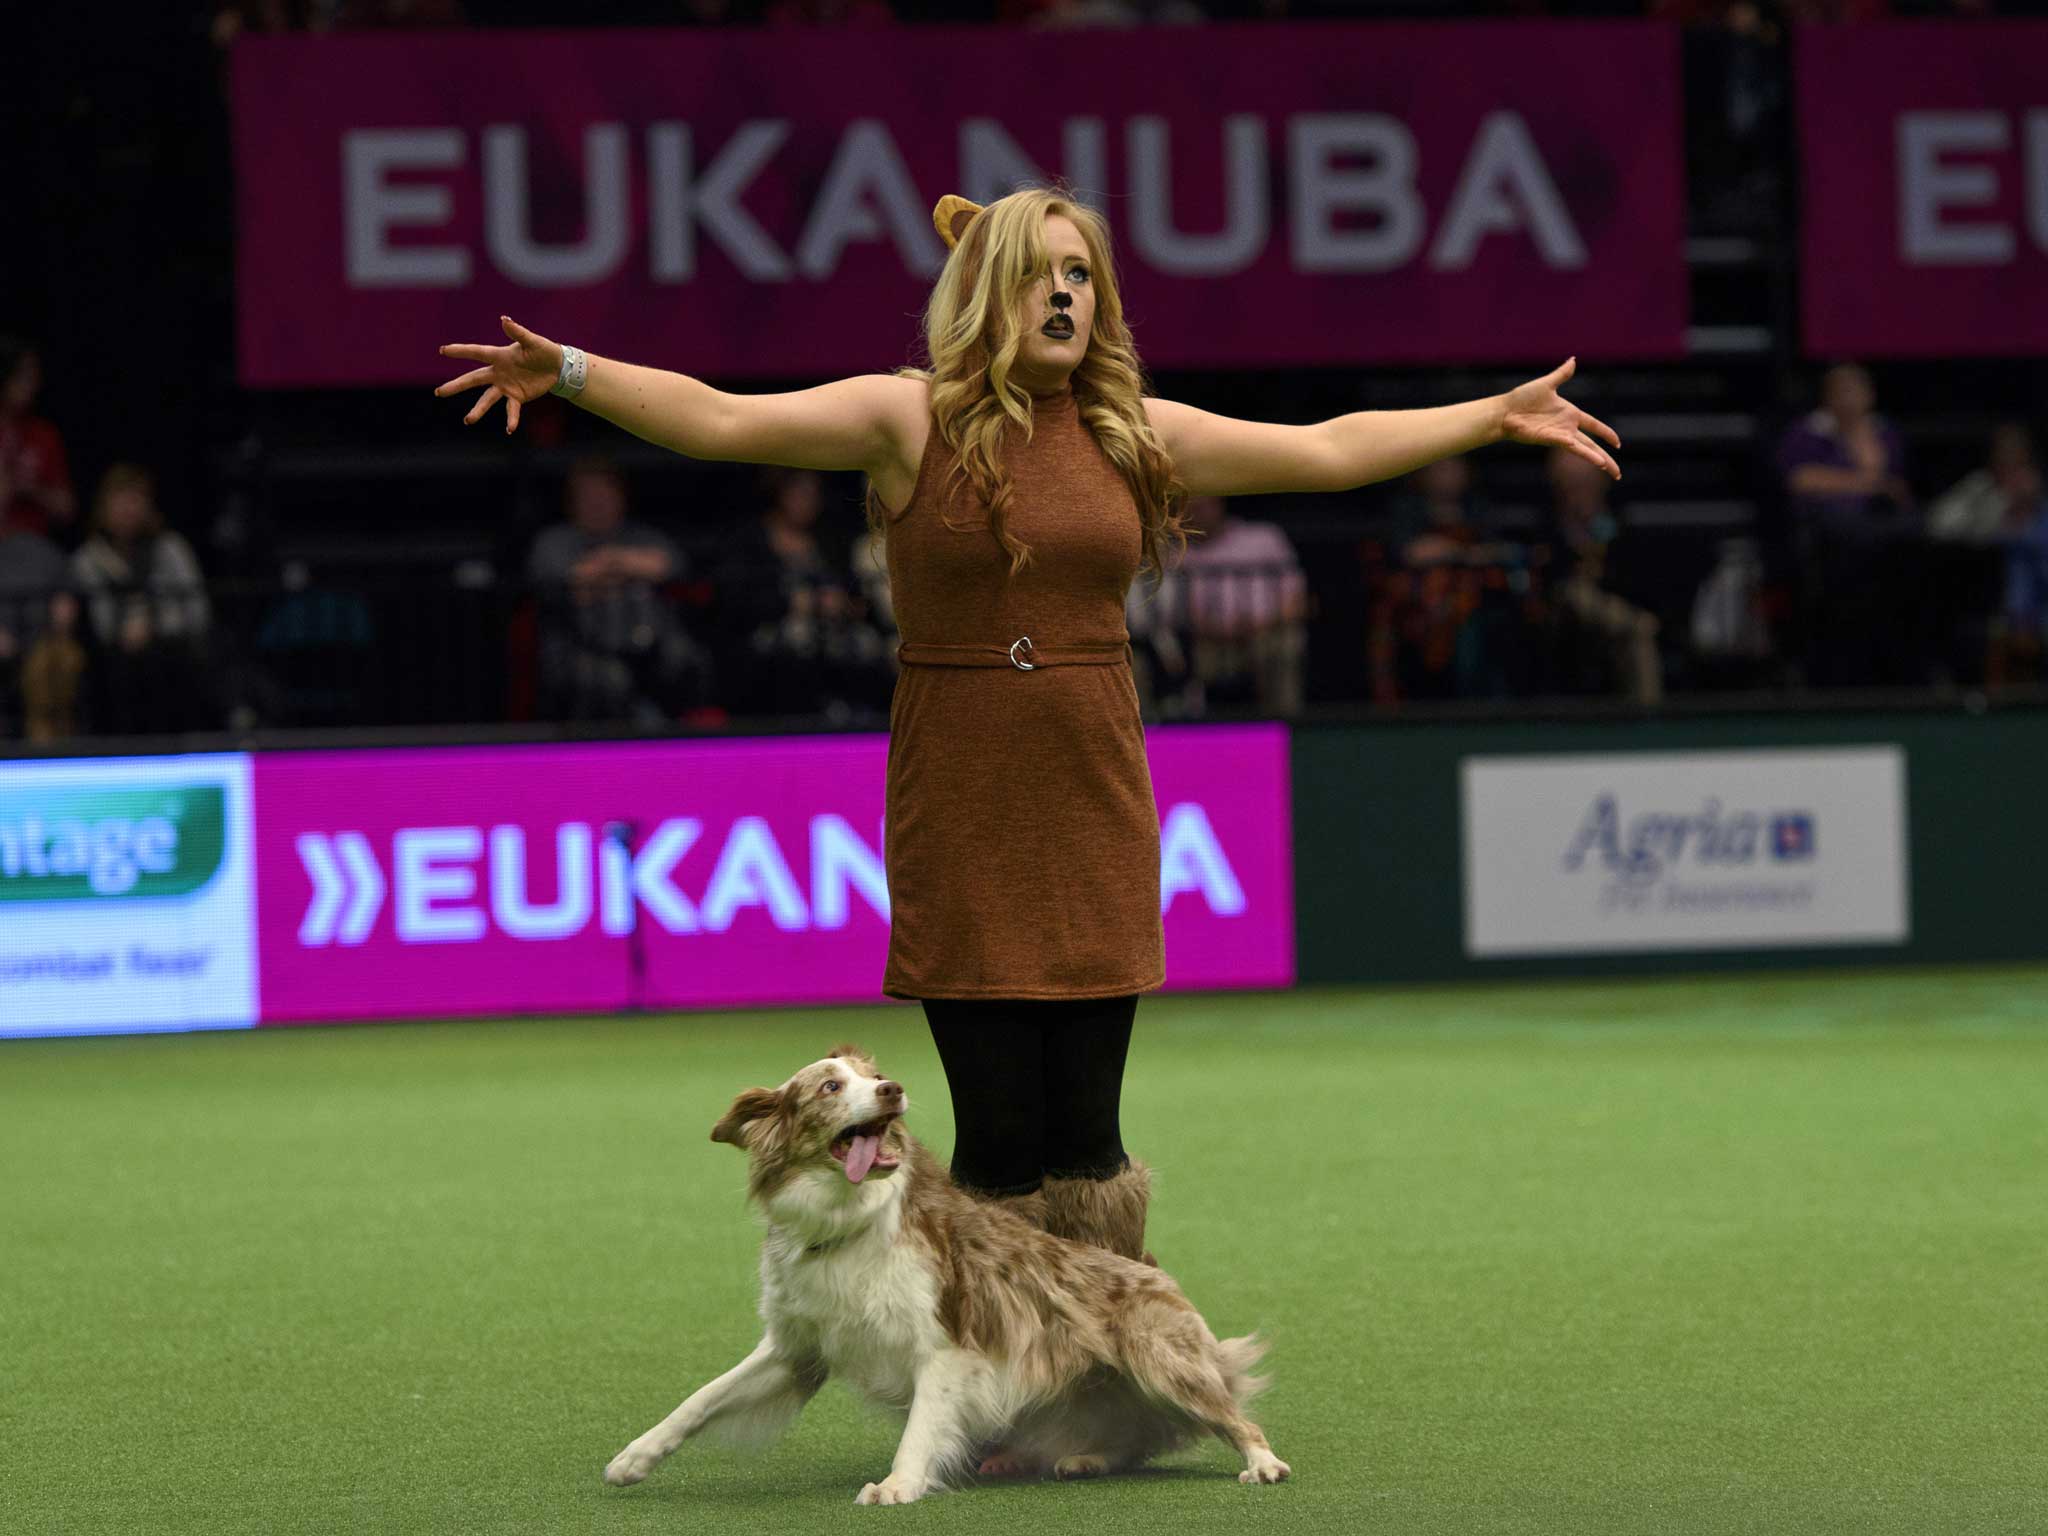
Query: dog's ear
[[750, 1106], [854, 1054]]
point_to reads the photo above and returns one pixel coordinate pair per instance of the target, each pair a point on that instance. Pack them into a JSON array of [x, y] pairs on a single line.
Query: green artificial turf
[[1756, 1255]]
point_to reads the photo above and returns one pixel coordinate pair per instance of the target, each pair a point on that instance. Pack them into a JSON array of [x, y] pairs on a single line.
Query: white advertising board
[[1684, 851], [126, 895]]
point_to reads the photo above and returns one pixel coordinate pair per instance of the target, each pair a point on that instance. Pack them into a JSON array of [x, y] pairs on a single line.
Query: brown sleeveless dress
[[1021, 838]]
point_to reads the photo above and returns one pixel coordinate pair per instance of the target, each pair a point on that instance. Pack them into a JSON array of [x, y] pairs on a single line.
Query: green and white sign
[[126, 895], [111, 844]]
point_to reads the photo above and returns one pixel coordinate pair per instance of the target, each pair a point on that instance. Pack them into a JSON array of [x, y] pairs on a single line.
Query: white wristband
[[575, 372]]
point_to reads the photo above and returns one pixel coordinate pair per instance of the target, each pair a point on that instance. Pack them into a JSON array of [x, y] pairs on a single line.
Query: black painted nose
[[1062, 300]]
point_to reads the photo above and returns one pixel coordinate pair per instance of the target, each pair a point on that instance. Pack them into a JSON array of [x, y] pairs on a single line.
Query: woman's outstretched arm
[[847, 424], [1222, 456]]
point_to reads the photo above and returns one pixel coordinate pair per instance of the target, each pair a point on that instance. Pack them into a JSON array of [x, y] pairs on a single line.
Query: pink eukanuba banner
[[537, 879], [755, 204], [1924, 172]]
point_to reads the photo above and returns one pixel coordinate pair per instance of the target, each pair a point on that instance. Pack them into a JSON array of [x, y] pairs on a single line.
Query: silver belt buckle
[[1022, 666]]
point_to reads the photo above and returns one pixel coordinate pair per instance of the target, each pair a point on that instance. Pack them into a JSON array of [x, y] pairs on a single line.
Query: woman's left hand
[[1537, 413]]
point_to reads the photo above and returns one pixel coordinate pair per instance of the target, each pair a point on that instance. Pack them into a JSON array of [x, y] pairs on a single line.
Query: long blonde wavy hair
[[972, 335]]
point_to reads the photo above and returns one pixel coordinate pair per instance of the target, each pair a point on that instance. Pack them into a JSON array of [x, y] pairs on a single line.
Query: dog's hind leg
[[949, 1414], [1173, 1358], [753, 1401]]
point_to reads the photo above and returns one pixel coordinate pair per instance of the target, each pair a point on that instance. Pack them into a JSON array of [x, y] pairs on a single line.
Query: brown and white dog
[[878, 1269]]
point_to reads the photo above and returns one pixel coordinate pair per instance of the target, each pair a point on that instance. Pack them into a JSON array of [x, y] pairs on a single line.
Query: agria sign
[[110, 844], [1643, 848], [1754, 848]]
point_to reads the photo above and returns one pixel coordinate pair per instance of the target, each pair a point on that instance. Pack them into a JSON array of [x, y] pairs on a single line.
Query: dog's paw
[[631, 1465], [891, 1490], [1080, 1466], [1265, 1468]]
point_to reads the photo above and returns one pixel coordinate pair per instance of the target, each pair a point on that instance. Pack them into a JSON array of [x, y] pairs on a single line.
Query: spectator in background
[[1159, 662], [1439, 509], [148, 615], [2001, 508], [829, 13], [1837, 11], [712, 13], [1238, 596], [1988, 505], [53, 675], [870, 561], [1582, 532], [2017, 637], [1734, 84], [611, 646], [1844, 469], [32, 572], [392, 15], [1443, 624], [35, 479], [1845, 465], [799, 639], [1731, 629], [262, 17], [1099, 13], [275, 17]]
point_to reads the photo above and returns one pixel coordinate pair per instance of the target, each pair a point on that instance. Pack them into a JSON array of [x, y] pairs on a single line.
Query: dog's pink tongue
[[860, 1157]]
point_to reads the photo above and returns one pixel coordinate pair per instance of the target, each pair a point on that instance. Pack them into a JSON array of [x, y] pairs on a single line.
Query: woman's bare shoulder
[[909, 397]]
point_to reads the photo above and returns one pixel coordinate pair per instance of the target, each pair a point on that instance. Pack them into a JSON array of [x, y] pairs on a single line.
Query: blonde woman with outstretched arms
[[1021, 481]]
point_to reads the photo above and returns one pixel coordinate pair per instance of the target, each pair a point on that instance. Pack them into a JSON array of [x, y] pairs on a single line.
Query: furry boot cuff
[[1109, 1213]]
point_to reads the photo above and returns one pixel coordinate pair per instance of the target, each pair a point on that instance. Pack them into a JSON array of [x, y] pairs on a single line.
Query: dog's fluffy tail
[[1237, 1357]]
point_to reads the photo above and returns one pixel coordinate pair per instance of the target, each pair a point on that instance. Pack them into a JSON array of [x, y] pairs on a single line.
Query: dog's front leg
[[946, 1419], [767, 1386]]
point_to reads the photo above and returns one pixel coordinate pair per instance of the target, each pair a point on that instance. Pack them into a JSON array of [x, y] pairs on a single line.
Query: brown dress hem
[[1024, 994]]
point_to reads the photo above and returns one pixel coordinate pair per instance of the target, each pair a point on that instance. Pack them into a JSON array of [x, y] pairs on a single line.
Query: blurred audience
[[33, 574], [828, 13], [1098, 13], [1230, 612], [1844, 476], [869, 558], [1735, 90], [237, 17], [1582, 531], [147, 611], [53, 676], [1988, 505], [611, 645], [1844, 464], [393, 15], [1159, 661], [1731, 629], [797, 631], [35, 479], [2002, 507], [1445, 622]]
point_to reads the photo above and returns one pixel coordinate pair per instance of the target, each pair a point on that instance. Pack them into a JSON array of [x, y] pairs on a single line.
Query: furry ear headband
[[952, 217]]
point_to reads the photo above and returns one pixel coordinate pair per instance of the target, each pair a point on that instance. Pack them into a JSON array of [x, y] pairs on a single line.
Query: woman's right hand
[[523, 371]]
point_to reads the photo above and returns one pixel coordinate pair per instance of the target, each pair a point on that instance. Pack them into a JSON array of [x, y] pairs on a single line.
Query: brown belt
[[1019, 653]]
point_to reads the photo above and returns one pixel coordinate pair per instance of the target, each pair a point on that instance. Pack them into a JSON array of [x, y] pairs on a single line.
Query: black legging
[[1035, 1087]]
